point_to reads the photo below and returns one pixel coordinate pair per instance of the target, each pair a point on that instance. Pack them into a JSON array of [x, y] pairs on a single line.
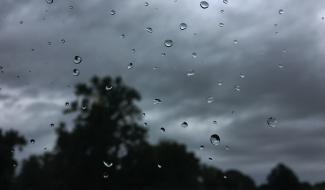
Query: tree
[[282, 178]]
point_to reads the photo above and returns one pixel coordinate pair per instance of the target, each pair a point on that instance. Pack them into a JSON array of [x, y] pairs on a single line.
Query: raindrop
[[262, 52], [214, 122], [148, 29], [163, 55], [0, 68], [281, 11], [235, 41], [130, 66], [71, 7], [84, 107], [191, 72], [225, 1], [48, 43], [271, 121], [133, 50], [154, 68], [159, 165], [52, 125], [108, 162], [44, 148], [280, 66], [49, 1], [194, 55], [194, 34], [201, 147], [143, 114], [225, 176], [109, 87], [77, 59], [242, 75], [221, 24], [162, 130], [32, 49], [145, 124], [122, 36], [113, 12], [210, 99], [12, 150], [32, 141], [220, 82], [157, 101], [183, 26], [204, 4], [233, 112], [2, 72], [227, 148], [184, 124], [14, 165], [215, 139], [21, 22], [284, 50], [322, 18], [276, 32], [168, 43], [105, 175], [275, 25], [76, 72], [62, 41], [222, 11], [146, 4], [210, 159], [237, 88], [67, 104]]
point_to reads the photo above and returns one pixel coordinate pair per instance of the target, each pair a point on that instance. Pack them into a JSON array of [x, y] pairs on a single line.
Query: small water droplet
[[322, 18], [222, 11], [12, 150], [2, 72], [221, 24], [242, 75], [154, 68], [194, 55], [113, 12], [272, 122], [48, 43], [214, 122], [237, 88], [105, 175], [280, 66], [143, 114], [276, 32], [122, 36], [284, 50], [225, 176], [157, 101], [76, 72], [275, 25], [77, 59], [195, 34], [227, 148], [71, 7], [162, 130], [84, 107], [191, 72], [109, 87], [281, 11], [62, 41], [67, 104], [133, 50], [52, 125], [146, 4], [44, 148], [32, 49], [183, 26], [225, 1], [0, 68], [49, 1], [168, 43], [184, 124], [148, 29], [21, 22], [108, 162], [210, 159], [201, 147], [262, 52], [163, 55], [130, 66], [215, 139], [145, 124], [210, 99], [220, 82], [204, 4], [159, 165], [32, 141], [14, 165], [233, 112], [235, 41]]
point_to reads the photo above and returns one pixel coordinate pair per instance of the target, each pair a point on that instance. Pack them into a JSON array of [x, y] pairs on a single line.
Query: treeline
[[106, 130]]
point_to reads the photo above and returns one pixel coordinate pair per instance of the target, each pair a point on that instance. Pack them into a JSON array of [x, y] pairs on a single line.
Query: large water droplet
[[105, 175], [215, 139], [222, 11], [221, 24], [281, 11], [146, 4], [194, 55], [184, 124], [67, 104], [76, 72], [157, 101], [280, 66], [237, 88], [183, 26], [77, 59], [133, 50], [130, 66], [148, 29], [168, 43], [49, 1], [32, 141], [225, 1], [163, 55], [191, 72], [162, 130], [214, 122], [52, 125], [122, 36], [220, 82], [210, 99], [204, 4], [108, 162], [62, 41], [201, 147], [272, 122], [113, 12], [242, 75], [109, 87]]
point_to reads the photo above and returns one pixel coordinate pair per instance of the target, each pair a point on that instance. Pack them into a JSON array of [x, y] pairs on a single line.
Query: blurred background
[[93, 96]]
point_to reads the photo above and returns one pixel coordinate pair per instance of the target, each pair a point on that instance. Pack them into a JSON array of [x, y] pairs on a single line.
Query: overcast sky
[[294, 94]]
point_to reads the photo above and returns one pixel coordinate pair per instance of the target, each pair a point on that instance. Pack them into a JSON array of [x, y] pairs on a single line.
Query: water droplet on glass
[[163, 55], [108, 162], [48, 43], [214, 122], [77, 59], [133, 50], [162, 130], [284, 50], [14, 165], [122, 36], [204, 4], [242, 75], [52, 125], [191, 72], [225, 176], [146, 4], [225, 1], [237, 88], [2, 72], [76, 72], [109, 87], [184, 124], [159, 165], [62, 41], [12, 150], [21, 22], [275, 25], [105, 175], [67, 104], [154, 68], [145, 124], [0, 68], [220, 82], [276, 32], [113, 12], [71, 7], [148, 29], [32, 141], [281, 11], [168, 43], [222, 11], [84, 107], [235, 41], [227, 148], [215, 139], [183, 26], [210, 159], [233, 112], [194, 34], [143, 114], [44, 148], [280, 66], [130, 66], [49, 1], [221, 24], [271, 121], [194, 55], [201, 147], [157, 101], [262, 52], [322, 18], [210, 99]]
